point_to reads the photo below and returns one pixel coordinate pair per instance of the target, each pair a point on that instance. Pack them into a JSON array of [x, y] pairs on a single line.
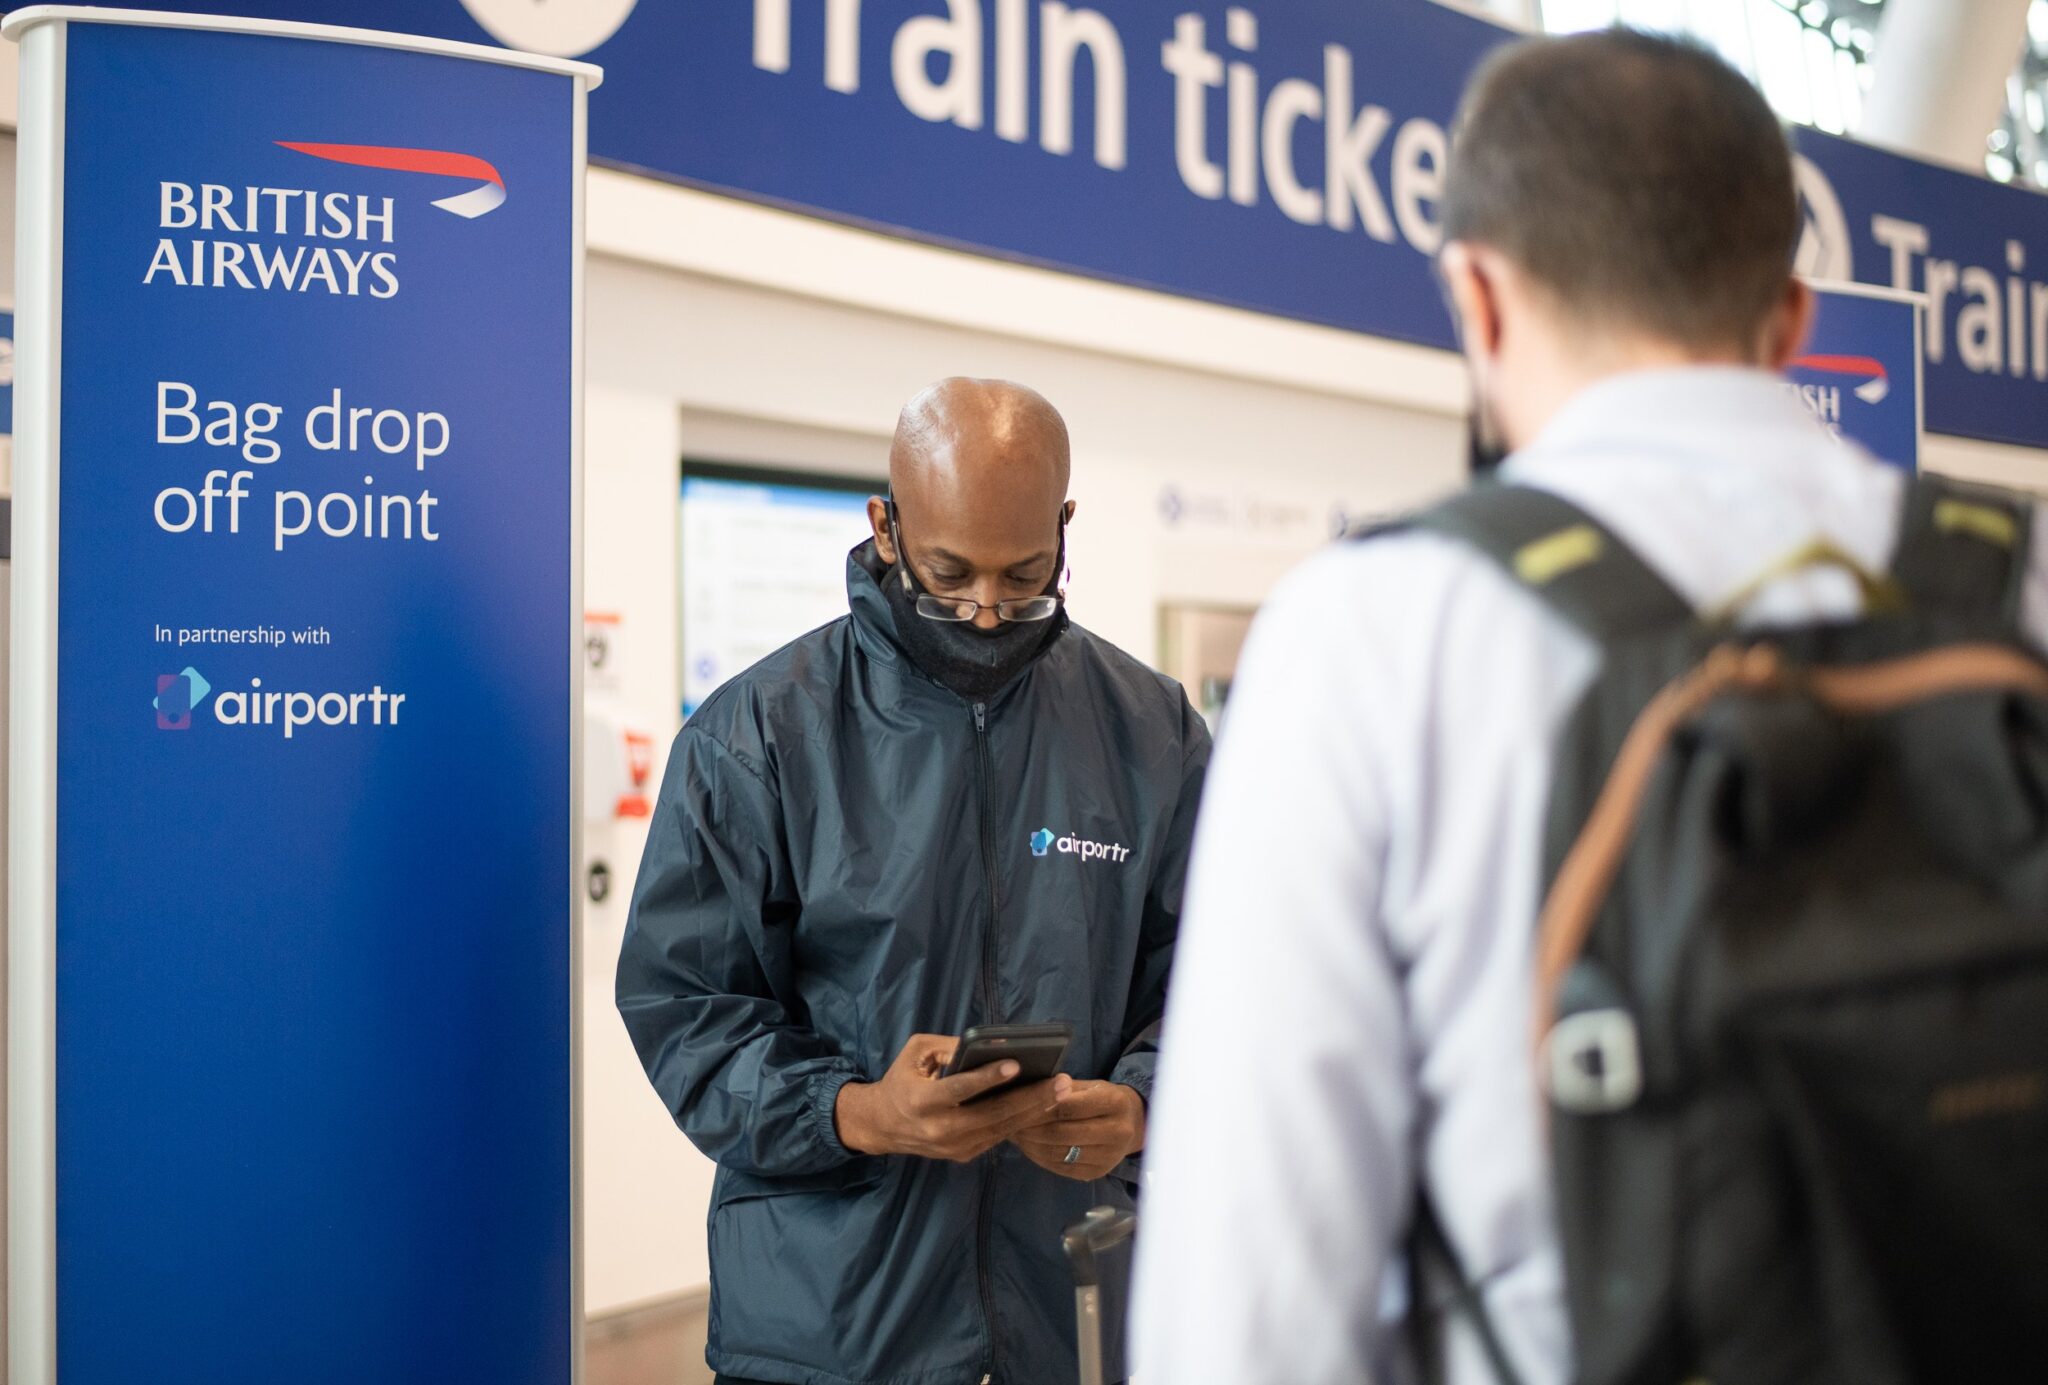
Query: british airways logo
[[307, 240], [1871, 381], [487, 196], [1819, 382]]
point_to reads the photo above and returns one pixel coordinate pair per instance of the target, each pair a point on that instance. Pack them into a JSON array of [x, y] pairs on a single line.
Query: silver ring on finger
[[1073, 1155]]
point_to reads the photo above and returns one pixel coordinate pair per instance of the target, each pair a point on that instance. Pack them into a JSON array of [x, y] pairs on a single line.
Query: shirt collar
[[1673, 410]]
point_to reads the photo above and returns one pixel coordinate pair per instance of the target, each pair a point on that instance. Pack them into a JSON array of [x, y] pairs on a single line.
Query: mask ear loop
[[896, 539]]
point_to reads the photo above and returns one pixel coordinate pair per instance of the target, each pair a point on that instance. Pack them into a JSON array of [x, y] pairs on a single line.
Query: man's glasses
[[959, 609]]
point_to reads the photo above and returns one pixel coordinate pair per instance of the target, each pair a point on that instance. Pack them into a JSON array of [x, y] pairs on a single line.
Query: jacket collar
[[874, 627]]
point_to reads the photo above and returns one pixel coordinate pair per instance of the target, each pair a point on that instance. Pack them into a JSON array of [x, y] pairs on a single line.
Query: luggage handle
[[1098, 1247]]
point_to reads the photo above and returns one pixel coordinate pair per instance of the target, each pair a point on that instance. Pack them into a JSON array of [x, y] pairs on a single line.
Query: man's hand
[[1104, 1120], [913, 1110]]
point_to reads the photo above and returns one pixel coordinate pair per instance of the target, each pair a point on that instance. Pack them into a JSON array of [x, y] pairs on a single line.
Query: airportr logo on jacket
[[1044, 843]]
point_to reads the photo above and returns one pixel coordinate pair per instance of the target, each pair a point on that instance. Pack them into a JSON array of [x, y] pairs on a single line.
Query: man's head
[[1615, 201], [979, 473]]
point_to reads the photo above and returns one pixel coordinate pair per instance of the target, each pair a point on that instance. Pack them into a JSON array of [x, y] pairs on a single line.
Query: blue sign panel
[[6, 374], [1860, 372], [1285, 158], [1977, 250], [313, 942]]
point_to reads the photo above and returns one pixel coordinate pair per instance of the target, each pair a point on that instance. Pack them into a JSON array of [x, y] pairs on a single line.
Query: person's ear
[[1475, 300], [1068, 514], [1789, 326], [878, 520]]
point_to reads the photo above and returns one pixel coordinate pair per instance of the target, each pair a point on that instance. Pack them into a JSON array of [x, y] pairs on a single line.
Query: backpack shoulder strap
[[1963, 548], [1566, 558]]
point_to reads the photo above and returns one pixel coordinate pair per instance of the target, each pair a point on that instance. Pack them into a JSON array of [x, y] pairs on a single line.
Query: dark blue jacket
[[841, 857]]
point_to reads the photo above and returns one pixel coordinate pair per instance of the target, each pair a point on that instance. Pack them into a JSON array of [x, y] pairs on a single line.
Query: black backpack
[[1793, 966]]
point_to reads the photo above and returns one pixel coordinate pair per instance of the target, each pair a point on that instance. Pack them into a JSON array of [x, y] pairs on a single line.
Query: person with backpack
[[1616, 947]]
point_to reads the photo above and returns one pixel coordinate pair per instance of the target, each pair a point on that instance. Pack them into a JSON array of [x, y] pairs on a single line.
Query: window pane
[[1723, 26], [1665, 15], [1850, 84], [1570, 16], [1781, 59], [1820, 81]]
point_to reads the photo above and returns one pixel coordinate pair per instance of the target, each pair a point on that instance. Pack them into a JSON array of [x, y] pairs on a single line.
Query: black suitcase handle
[[1099, 1250]]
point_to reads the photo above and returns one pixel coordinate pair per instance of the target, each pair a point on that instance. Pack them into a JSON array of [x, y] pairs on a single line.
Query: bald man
[[949, 808]]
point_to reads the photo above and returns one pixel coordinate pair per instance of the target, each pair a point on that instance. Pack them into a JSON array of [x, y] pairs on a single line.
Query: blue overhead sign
[[313, 586], [1285, 158], [1860, 372]]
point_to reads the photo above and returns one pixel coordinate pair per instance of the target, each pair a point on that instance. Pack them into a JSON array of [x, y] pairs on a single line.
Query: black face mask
[[959, 655]]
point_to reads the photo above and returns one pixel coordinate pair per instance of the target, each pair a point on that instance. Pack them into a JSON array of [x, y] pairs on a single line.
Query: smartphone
[[1036, 1048]]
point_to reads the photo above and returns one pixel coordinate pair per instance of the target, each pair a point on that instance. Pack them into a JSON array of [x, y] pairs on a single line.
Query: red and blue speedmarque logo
[[488, 195], [1876, 380]]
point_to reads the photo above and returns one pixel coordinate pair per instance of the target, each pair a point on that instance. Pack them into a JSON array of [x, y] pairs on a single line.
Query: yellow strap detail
[[1881, 595], [1544, 561], [1987, 522]]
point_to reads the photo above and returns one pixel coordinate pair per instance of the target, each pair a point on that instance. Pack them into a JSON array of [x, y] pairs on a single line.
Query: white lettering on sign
[[1824, 402], [291, 712], [1312, 144], [322, 224], [970, 67], [1995, 319], [331, 426]]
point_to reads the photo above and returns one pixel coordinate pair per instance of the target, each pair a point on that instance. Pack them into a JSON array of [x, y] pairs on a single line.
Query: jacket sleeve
[[1162, 915], [705, 979]]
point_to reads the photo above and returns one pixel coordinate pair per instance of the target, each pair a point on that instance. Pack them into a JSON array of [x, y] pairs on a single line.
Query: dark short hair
[[1640, 178]]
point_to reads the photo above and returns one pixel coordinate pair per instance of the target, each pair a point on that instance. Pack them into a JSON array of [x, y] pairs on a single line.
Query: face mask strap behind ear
[[896, 542]]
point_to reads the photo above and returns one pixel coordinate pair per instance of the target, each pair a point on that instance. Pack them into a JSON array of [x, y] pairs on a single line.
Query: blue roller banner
[[313, 935], [6, 374], [1281, 157], [1860, 372]]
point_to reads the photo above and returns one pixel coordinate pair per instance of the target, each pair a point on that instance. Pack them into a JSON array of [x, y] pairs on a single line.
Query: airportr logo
[[487, 196], [1044, 843], [178, 695]]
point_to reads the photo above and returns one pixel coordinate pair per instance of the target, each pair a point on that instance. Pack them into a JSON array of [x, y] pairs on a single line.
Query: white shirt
[[1351, 998]]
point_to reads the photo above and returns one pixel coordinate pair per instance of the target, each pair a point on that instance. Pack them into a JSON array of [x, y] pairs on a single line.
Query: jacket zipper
[[984, 1229]]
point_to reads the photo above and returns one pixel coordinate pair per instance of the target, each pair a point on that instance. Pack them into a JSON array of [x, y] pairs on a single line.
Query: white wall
[[2023, 468], [742, 344]]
